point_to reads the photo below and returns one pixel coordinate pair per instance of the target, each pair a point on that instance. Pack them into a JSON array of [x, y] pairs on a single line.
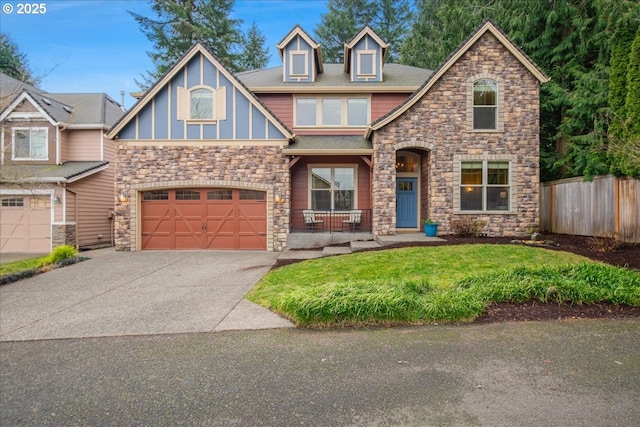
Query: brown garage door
[[204, 218], [25, 224]]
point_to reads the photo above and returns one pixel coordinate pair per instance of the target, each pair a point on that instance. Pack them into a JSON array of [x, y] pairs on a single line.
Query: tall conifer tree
[[181, 23]]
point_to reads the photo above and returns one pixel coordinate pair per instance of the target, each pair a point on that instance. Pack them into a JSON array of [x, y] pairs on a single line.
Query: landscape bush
[[60, 254]]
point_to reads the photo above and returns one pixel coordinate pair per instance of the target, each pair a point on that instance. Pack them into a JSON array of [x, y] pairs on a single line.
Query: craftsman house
[[56, 184], [211, 160]]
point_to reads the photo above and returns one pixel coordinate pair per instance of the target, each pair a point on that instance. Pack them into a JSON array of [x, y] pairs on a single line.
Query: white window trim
[[333, 166], [513, 183], [500, 113], [345, 112], [374, 64], [305, 53], [219, 104], [13, 143]]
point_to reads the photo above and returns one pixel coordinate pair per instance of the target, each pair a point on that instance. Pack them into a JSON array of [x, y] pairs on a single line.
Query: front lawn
[[436, 284]]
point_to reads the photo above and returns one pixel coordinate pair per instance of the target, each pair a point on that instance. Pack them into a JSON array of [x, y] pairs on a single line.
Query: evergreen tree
[[343, 21], [255, 55], [393, 19], [13, 62], [181, 23]]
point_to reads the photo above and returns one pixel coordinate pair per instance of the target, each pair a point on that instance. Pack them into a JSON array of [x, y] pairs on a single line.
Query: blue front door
[[407, 202]]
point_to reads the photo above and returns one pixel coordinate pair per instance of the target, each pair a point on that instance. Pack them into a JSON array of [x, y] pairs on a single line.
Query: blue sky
[[96, 46]]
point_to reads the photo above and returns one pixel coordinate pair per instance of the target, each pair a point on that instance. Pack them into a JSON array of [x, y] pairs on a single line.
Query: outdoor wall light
[[278, 198], [123, 197], [56, 199]]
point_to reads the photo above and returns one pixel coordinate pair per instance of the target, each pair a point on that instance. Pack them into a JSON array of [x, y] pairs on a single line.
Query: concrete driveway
[[139, 293]]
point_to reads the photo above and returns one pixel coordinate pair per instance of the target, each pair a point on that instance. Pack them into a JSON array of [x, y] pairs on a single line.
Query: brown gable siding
[[438, 123]]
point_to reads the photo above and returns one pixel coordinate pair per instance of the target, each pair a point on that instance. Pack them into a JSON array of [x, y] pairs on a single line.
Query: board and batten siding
[[158, 120], [604, 207], [95, 201]]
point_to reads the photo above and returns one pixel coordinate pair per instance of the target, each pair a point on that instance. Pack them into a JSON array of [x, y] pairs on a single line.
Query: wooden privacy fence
[[603, 207]]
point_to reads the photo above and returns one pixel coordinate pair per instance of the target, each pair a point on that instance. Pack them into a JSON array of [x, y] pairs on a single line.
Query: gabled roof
[[487, 26], [81, 110], [90, 108], [11, 88], [366, 31], [298, 31], [195, 50], [67, 172], [397, 78]]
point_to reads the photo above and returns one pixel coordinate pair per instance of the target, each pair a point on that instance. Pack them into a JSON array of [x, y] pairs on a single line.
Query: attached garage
[[203, 218], [25, 224]]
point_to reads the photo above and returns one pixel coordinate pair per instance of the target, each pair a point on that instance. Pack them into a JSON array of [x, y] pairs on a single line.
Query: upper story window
[[299, 63], [331, 112], [202, 102], [30, 144], [366, 63], [485, 104]]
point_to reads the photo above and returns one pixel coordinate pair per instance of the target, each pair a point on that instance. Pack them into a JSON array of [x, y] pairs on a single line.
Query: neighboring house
[[209, 160], [57, 172]]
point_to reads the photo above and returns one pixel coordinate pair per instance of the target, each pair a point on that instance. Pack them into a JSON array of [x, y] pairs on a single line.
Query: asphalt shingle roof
[[394, 75], [333, 143], [61, 172]]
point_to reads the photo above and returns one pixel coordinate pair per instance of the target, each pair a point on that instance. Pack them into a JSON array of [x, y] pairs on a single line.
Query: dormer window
[[366, 63], [299, 63], [201, 104]]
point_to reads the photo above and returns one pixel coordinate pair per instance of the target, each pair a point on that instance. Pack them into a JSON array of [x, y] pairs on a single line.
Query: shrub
[[610, 242], [60, 254], [467, 227]]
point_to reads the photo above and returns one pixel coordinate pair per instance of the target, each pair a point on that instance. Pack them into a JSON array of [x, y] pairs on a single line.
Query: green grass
[[58, 254], [436, 284], [19, 266]]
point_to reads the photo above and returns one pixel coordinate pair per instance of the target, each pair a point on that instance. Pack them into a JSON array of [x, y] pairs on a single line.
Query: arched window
[[201, 104], [485, 104]]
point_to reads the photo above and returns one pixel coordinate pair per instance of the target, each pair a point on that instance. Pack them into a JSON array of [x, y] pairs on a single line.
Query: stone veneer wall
[[439, 122], [63, 235], [140, 168]]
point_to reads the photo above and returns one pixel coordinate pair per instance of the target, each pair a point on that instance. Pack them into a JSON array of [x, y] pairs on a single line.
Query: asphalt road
[[568, 373]]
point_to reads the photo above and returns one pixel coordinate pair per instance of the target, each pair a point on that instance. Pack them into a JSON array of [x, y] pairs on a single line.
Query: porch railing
[[330, 221]]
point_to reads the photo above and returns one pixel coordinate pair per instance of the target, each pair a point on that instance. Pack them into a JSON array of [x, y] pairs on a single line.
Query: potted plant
[[430, 228]]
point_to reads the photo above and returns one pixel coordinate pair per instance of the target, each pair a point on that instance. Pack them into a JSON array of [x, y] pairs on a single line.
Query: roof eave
[[327, 152]]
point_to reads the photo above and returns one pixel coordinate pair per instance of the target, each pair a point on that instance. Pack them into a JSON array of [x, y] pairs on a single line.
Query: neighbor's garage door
[[25, 224], [208, 218]]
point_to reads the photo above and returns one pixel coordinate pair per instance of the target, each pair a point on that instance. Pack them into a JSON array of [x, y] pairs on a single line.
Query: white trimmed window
[[366, 63], [202, 103], [485, 185], [30, 144], [331, 112], [299, 63], [332, 188], [485, 105]]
